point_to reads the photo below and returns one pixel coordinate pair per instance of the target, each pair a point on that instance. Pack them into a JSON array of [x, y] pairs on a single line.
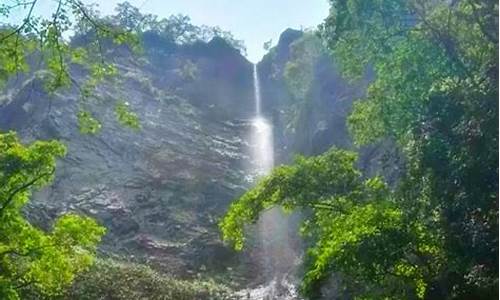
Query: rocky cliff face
[[321, 120], [160, 190]]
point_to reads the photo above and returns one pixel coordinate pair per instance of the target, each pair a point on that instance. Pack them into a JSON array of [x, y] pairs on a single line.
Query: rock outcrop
[[321, 120]]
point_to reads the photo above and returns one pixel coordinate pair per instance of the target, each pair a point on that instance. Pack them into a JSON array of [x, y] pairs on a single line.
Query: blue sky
[[254, 21]]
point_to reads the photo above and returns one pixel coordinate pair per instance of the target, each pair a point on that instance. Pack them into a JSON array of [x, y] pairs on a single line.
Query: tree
[[29, 256], [354, 224], [129, 17], [44, 39], [435, 93], [111, 279], [268, 45]]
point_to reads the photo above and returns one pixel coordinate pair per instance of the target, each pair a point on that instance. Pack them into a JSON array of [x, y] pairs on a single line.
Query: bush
[[109, 279]]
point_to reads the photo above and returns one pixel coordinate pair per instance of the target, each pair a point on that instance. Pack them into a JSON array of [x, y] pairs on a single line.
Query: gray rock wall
[[159, 191]]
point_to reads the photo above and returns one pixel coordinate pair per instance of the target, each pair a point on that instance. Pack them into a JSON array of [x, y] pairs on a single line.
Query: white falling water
[[277, 257], [262, 146], [261, 137], [256, 89]]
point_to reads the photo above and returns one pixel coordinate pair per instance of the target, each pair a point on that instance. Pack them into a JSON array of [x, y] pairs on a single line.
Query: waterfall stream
[[256, 90], [261, 137], [277, 259]]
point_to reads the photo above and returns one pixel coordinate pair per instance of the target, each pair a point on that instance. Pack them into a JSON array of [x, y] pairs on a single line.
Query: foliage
[[354, 224], [435, 235], [111, 279], [436, 94], [48, 261], [44, 40], [87, 123], [126, 117], [176, 29], [268, 45], [43, 43]]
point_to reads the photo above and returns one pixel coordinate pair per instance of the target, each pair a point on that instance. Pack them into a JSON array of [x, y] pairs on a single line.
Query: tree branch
[[28, 184], [25, 22], [27, 253]]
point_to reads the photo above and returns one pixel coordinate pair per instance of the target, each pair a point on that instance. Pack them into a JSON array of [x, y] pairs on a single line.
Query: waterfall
[[261, 138], [277, 259], [256, 89]]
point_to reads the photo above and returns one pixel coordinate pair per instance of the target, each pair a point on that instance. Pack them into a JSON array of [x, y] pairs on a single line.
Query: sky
[[253, 21]]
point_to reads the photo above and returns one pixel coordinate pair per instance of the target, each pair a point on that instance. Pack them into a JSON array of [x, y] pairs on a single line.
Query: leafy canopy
[[351, 221], [435, 94], [176, 29], [45, 48], [48, 261]]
